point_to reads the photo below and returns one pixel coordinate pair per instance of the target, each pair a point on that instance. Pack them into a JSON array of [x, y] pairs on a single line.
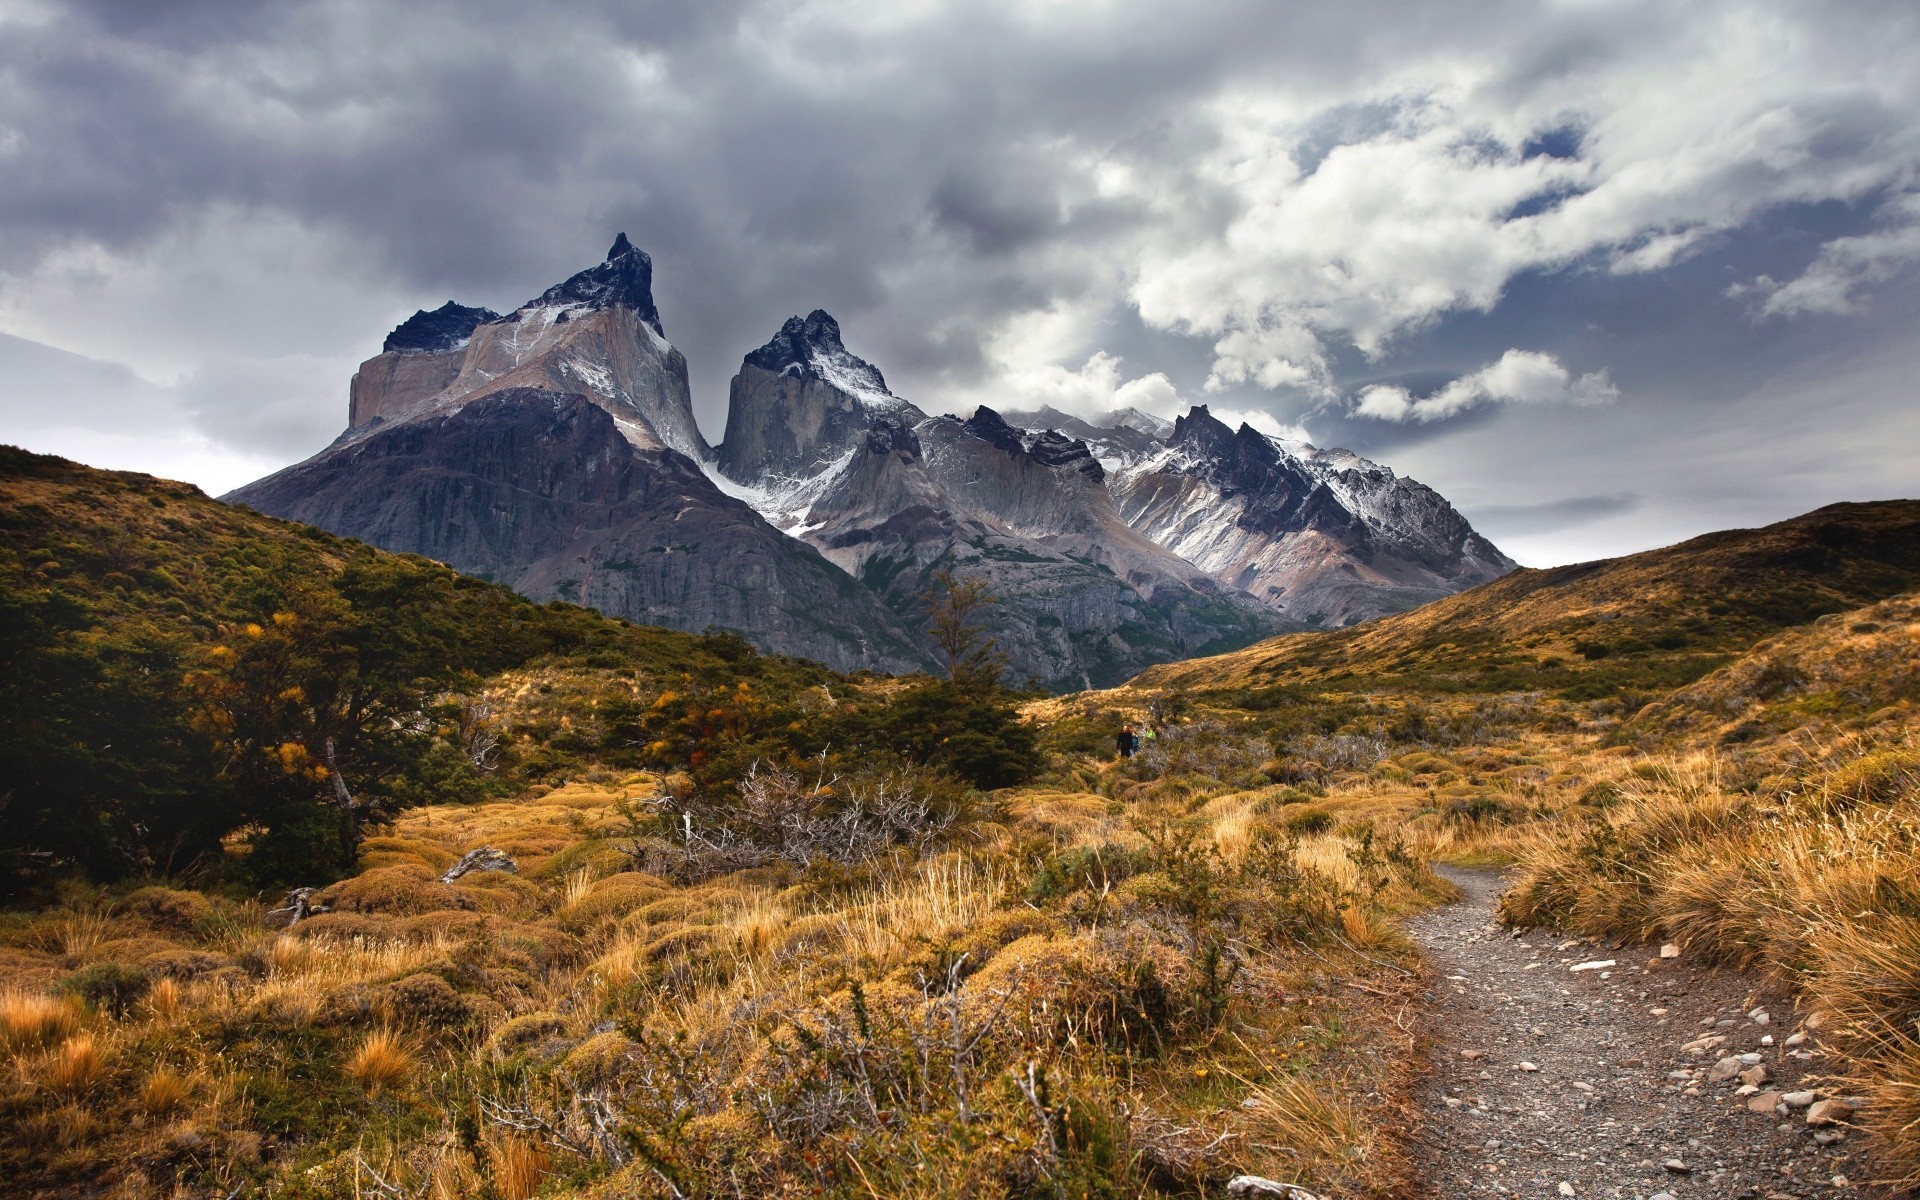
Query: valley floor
[[1550, 1081]]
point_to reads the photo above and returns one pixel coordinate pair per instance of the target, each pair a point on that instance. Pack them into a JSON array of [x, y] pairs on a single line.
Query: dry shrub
[[526, 1032], [382, 1062], [517, 1165], [1893, 1110], [392, 851], [422, 1000], [610, 899], [74, 934], [1878, 777], [1869, 973], [600, 1060], [175, 963], [75, 1066], [169, 908], [30, 1019], [1065, 817], [499, 892], [163, 1092], [1712, 901], [403, 890]]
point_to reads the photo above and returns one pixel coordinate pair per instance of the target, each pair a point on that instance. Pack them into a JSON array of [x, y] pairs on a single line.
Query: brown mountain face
[[540, 490]]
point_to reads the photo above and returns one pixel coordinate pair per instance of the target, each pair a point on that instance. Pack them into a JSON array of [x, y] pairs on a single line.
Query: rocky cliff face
[[554, 449], [1324, 537], [597, 333], [799, 403], [821, 448], [543, 491]]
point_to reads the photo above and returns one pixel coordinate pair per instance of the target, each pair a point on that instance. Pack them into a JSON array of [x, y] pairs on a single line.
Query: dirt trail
[[1552, 1082]]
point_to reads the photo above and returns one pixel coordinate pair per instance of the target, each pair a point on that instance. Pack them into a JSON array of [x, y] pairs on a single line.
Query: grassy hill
[[173, 669], [1644, 623], [770, 930], [776, 931]]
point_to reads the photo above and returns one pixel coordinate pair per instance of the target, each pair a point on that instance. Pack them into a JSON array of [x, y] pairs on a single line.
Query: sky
[[1607, 274]]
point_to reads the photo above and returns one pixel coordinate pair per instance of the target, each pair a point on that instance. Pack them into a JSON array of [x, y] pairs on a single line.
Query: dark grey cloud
[[1267, 207], [1519, 520]]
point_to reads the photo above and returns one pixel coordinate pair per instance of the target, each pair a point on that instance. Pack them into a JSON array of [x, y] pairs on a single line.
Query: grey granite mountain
[[824, 450], [597, 333], [1324, 537], [554, 449]]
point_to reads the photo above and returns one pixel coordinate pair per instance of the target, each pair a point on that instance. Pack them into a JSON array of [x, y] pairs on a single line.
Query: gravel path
[[1552, 1077]]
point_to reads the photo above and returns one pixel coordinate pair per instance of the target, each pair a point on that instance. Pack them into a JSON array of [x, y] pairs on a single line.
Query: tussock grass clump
[[31, 1019], [383, 1062], [517, 1165], [163, 1092], [75, 1066]]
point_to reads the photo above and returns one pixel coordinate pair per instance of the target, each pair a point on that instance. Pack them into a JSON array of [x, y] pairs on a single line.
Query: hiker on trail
[[1126, 743]]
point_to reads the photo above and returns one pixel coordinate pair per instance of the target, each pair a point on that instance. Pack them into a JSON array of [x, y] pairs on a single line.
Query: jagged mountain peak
[[445, 328], [989, 426], [811, 345], [624, 280]]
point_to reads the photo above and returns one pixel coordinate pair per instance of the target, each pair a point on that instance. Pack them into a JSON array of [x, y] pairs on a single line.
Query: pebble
[[1727, 1068], [1764, 1102]]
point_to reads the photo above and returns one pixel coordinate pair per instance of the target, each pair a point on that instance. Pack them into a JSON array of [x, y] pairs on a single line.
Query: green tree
[[954, 606]]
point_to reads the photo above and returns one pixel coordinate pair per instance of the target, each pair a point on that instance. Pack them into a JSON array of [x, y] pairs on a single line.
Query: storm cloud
[[1466, 238]]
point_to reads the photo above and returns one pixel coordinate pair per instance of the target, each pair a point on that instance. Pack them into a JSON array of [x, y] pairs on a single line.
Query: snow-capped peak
[[811, 345]]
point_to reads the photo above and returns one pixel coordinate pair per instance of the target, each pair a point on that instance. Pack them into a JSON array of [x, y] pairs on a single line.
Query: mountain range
[[554, 448]]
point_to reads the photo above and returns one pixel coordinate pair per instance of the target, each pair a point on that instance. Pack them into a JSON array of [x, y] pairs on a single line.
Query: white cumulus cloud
[[1519, 377]]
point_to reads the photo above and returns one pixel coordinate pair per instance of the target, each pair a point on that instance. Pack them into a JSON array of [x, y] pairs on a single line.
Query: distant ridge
[[1658, 619]]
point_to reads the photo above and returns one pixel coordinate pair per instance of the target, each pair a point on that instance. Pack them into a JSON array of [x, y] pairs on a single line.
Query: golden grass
[[944, 897], [517, 1167], [163, 1091], [29, 1019], [383, 1062], [75, 1066], [1820, 892], [1311, 1117]]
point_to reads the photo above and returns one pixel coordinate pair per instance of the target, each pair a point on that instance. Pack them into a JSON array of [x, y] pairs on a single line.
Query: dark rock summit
[[445, 328], [625, 279], [811, 345]]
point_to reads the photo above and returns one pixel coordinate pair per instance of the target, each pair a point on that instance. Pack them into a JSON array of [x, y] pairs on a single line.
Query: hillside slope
[[173, 669], [1654, 620]]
